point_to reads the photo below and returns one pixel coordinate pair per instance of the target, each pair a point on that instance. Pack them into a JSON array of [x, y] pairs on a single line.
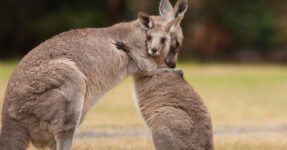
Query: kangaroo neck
[[108, 66], [131, 33]]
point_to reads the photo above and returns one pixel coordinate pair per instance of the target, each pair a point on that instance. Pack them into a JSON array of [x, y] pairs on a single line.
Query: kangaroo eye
[[162, 40], [148, 37]]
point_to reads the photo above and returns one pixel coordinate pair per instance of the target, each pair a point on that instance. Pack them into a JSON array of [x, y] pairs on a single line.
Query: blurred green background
[[224, 30]]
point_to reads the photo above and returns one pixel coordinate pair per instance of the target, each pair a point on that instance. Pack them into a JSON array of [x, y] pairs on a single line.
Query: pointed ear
[[165, 7], [173, 24], [145, 21], [180, 8]]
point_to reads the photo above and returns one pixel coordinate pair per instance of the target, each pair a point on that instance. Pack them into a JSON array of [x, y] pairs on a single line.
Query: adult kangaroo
[[56, 83]]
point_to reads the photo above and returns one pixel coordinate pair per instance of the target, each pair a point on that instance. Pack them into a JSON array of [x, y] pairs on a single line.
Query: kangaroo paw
[[179, 71], [122, 46]]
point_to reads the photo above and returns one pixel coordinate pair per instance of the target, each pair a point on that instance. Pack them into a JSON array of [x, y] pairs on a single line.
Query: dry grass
[[238, 96], [241, 142], [112, 144], [252, 142]]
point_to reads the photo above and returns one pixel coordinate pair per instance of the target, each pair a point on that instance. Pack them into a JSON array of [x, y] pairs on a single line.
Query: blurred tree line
[[213, 29]]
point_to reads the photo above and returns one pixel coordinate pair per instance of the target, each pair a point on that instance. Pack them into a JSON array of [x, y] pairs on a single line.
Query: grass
[[252, 142], [249, 97]]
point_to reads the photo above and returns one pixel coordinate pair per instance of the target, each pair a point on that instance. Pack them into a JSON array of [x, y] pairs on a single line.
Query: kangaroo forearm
[[143, 64], [162, 70], [148, 66]]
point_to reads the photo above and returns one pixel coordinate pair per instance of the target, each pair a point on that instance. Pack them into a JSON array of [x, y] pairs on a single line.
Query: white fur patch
[[150, 24]]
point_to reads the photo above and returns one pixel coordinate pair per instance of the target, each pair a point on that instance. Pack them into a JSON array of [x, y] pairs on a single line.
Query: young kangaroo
[[157, 44], [174, 112], [55, 84]]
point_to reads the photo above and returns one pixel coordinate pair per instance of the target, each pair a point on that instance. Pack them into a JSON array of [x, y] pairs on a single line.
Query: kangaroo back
[[174, 112]]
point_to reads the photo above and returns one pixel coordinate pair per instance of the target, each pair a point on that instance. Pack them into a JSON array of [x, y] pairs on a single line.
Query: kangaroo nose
[[172, 65], [154, 50]]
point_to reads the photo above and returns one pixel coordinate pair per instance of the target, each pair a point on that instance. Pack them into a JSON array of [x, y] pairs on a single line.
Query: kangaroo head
[[176, 36], [157, 35]]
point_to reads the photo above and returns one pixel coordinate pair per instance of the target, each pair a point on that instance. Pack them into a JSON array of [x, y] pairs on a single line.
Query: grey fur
[[54, 86], [165, 7], [56, 83], [147, 62], [173, 111], [180, 8], [176, 37]]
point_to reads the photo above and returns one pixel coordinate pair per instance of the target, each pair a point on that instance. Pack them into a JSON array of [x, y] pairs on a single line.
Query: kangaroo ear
[[145, 21], [180, 8], [173, 24], [165, 7]]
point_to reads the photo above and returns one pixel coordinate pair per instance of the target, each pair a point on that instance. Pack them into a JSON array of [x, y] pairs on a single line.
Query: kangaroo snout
[[154, 51], [170, 63]]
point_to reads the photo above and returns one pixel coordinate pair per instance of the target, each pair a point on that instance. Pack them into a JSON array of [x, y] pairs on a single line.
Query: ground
[[247, 104]]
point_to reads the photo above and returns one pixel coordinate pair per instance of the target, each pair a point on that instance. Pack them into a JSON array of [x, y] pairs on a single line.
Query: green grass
[[237, 96]]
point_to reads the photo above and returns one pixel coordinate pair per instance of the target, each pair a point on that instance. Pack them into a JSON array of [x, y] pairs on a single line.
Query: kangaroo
[[56, 83], [173, 111], [157, 44]]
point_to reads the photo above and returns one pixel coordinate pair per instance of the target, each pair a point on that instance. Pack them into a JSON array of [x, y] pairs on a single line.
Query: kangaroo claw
[[121, 46], [179, 71]]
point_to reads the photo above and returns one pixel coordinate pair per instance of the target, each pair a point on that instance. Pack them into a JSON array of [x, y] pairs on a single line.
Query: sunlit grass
[[252, 142], [237, 96], [242, 142], [111, 144], [253, 93]]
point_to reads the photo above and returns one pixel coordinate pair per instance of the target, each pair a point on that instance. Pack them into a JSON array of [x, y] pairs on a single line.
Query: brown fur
[[173, 111], [151, 62], [55, 84]]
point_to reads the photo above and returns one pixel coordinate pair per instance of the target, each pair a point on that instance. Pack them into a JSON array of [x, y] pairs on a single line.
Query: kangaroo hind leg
[[72, 116], [163, 139], [73, 91], [14, 135]]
